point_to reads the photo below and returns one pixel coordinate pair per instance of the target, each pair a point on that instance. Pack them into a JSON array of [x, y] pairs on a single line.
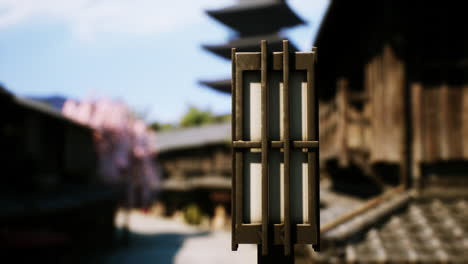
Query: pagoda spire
[[252, 20]]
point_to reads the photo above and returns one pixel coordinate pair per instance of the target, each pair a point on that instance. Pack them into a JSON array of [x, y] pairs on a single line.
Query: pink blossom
[[124, 144]]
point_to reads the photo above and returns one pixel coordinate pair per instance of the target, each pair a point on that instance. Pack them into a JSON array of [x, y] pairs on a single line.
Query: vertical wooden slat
[[386, 86], [464, 120], [416, 104], [286, 147], [312, 157], [238, 136], [342, 102], [455, 96], [309, 136], [314, 186], [264, 117], [371, 89], [424, 124], [234, 245], [431, 121], [376, 117], [444, 121]]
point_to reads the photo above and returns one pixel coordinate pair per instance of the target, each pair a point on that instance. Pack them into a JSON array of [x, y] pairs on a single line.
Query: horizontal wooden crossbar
[[240, 144], [311, 145], [301, 234], [314, 145]]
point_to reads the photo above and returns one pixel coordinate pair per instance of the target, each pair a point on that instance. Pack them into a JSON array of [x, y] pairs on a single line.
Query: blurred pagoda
[[252, 20]]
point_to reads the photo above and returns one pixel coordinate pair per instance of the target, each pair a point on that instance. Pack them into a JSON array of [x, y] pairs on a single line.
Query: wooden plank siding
[[386, 89], [464, 125], [437, 114], [440, 119], [454, 135], [416, 116], [378, 128]]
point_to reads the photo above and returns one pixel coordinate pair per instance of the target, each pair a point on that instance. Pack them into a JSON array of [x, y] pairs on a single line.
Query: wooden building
[[393, 84], [252, 21], [196, 167], [392, 77], [52, 202]]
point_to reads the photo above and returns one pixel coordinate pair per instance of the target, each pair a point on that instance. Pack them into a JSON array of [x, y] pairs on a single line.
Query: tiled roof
[[38, 106], [219, 85], [257, 17], [426, 231], [193, 137], [336, 205], [369, 218], [208, 182], [250, 44]]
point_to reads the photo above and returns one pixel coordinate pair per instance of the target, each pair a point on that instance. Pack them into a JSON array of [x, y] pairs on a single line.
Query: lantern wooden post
[[257, 79]]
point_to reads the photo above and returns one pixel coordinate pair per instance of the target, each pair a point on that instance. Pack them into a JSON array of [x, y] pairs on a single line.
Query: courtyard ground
[[159, 240]]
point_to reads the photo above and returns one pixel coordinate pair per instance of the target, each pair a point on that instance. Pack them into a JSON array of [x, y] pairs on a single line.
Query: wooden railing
[[343, 128]]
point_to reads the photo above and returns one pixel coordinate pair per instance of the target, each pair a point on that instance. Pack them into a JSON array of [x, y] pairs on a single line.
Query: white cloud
[[86, 18]]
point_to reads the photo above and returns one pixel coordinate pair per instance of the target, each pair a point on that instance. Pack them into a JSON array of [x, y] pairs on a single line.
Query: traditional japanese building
[[252, 21], [196, 167], [393, 86], [393, 89], [51, 197]]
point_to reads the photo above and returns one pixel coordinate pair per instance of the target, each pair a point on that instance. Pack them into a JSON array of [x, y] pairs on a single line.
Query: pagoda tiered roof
[[219, 85], [248, 44], [249, 18], [253, 21]]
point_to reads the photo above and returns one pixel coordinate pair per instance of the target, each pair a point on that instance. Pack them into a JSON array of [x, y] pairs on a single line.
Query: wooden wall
[[385, 85], [432, 129], [378, 128], [440, 123], [205, 161]]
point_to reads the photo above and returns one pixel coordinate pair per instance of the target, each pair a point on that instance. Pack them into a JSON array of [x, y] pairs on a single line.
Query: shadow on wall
[[158, 248]]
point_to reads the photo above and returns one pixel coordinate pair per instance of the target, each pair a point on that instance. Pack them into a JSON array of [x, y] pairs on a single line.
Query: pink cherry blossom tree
[[124, 144]]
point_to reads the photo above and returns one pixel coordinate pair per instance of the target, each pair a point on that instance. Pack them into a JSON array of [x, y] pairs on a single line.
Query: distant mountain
[[55, 101]]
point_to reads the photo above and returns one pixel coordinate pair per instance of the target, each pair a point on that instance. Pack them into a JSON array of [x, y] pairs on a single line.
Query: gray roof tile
[[427, 231], [193, 137]]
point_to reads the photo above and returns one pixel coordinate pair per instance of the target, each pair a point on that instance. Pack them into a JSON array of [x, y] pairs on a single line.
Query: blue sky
[[145, 53]]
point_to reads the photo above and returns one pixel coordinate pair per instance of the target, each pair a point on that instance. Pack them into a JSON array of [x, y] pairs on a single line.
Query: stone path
[[158, 240]]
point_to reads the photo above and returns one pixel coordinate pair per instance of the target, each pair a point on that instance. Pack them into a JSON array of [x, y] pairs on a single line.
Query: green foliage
[[196, 117], [192, 118], [223, 118], [193, 214], [156, 126]]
